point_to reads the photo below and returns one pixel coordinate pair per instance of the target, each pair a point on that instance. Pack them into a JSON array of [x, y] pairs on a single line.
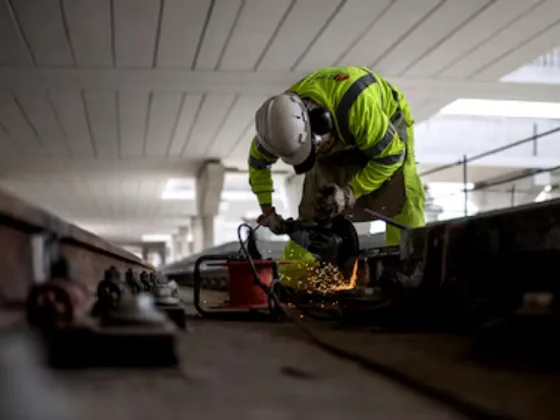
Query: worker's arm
[[376, 137], [260, 175]]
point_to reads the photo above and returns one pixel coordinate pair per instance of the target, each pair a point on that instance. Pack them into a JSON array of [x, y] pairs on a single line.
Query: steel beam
[[88, 255], [249, 82]]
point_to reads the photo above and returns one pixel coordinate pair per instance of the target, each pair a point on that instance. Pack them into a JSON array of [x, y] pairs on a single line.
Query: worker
[[348, 129]]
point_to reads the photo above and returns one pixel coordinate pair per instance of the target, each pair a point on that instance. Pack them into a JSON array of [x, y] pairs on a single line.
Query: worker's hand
[[272, 221], [334, 200]]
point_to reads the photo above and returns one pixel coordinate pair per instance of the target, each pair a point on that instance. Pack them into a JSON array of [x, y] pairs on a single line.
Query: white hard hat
[[283, 128]]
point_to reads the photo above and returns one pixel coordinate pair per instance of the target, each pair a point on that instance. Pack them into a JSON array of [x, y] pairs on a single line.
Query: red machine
[[252, 279], [248, 294]]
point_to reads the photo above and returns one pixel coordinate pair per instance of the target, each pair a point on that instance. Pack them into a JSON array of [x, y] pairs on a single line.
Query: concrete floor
[[228, 370], [250, 370], [239, 371]]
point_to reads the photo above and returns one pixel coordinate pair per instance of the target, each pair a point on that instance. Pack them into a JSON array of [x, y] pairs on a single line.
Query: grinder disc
[[349, 249]]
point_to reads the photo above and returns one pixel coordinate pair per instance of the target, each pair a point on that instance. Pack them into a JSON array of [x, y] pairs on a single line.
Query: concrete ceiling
[[102, 101]]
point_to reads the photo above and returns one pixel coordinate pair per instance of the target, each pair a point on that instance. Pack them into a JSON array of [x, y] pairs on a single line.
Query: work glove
[[334, 200], [272, 221]]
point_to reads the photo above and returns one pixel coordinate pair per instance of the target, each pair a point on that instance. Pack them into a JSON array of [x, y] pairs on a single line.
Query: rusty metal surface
[[15, 263], [17, 210], [479, 267], [59, 303], [87, 254]]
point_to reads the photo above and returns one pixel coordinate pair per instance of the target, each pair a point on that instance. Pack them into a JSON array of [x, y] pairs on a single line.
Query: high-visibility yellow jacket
[[361, 103]]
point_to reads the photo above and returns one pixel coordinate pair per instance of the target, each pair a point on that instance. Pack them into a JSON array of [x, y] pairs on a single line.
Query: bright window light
[[513, 109], [179, 189], [376, 227], [448, 187], [230, 195], [544, 195], [450, 197], [253, 214], [156, 237], [224, 206]]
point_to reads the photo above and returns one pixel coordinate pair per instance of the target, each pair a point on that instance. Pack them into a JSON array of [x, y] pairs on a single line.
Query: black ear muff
[[321, 121], [307, 164]]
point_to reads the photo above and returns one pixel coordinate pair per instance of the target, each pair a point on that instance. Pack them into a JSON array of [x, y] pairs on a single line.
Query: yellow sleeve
[[260, 174], [377, 138]]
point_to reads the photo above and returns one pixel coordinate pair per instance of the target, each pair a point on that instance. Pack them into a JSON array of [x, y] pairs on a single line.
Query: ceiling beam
[[160, 168], [254, 83], [130, 168]]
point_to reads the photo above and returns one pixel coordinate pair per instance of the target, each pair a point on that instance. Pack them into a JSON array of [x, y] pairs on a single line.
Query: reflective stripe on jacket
[[361, 103]]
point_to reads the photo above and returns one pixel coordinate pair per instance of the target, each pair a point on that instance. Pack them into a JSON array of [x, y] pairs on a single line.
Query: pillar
[[198, 235], [209, 186], [203, 233], [181, 246], [183, 236], [176, 247], [162, 251]]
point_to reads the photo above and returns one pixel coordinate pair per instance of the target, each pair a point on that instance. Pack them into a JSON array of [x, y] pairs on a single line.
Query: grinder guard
[[336, 242]]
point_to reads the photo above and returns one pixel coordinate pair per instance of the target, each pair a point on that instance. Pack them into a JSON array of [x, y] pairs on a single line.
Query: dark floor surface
[[232, 371], [248, 370], [240, 371]]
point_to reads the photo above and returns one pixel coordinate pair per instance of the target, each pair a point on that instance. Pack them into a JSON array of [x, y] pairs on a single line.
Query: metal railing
[[482, 185]]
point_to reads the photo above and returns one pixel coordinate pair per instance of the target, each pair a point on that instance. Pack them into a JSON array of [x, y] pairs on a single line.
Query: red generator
[[248, 295]]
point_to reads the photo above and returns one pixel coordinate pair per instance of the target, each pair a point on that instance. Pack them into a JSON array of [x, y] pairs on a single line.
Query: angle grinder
[[335, 241]]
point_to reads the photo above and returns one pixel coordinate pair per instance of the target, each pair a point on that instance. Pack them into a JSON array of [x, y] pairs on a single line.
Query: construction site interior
[[137, 282]]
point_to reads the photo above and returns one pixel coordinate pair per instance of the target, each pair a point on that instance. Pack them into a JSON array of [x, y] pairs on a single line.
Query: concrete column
[[162, 251], [208, 228], [294, 191], [184, 246], [209, 186], [198, 235], [176, 246], [203, 233], [180, 243]]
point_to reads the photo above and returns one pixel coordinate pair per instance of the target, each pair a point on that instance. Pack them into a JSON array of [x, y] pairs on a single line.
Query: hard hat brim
[[301, 154]]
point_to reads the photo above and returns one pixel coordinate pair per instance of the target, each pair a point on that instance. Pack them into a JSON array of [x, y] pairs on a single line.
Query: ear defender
[[321, 121]]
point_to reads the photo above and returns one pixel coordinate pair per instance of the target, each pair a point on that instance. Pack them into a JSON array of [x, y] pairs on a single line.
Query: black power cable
[[390, 373], [274, 301]]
